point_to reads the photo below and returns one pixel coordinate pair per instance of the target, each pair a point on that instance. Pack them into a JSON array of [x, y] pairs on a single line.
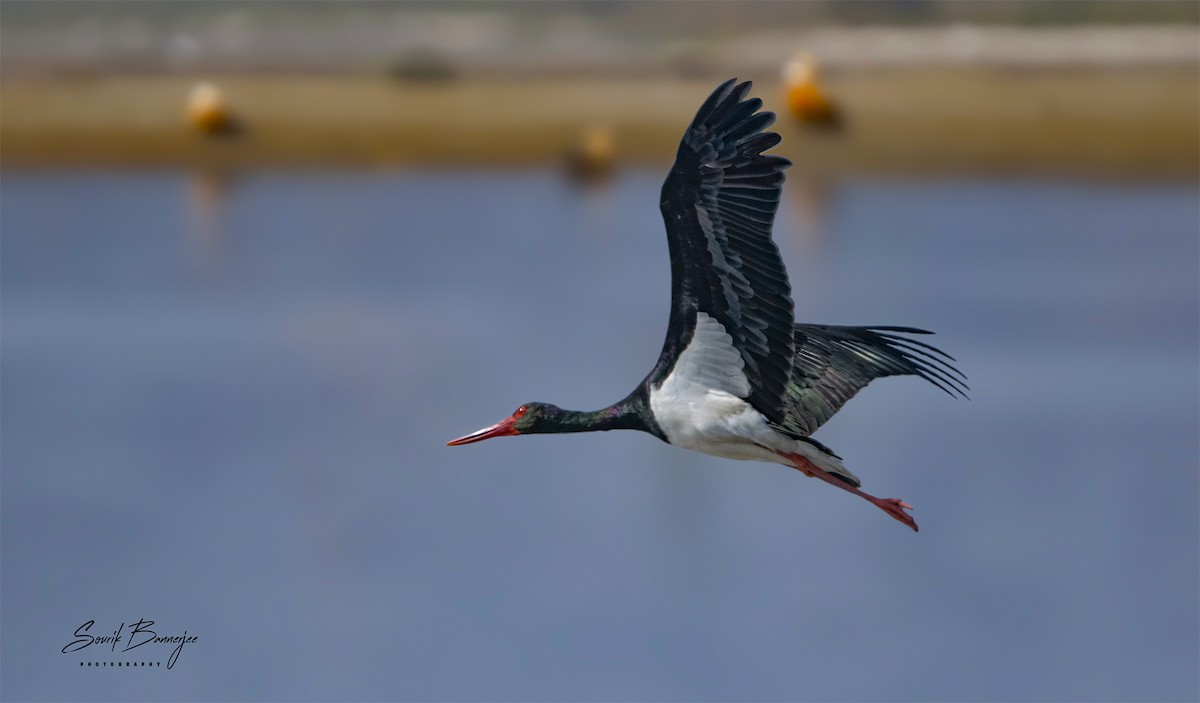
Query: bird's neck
[[630, 413]]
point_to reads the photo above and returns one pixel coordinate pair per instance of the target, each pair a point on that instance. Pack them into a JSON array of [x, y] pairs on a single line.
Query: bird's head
[[530, 418]]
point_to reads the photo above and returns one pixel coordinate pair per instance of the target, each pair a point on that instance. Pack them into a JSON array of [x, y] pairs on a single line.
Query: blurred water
[[225, 402]]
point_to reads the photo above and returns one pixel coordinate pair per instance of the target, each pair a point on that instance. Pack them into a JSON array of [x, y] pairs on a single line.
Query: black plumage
[[832, 363], [719, 203]]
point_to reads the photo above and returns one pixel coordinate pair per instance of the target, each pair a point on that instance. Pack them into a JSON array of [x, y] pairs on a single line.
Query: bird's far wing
[[719, 202], [834, 363]]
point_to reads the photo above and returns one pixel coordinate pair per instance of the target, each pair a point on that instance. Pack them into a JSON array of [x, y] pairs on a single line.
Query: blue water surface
[[225, 402]]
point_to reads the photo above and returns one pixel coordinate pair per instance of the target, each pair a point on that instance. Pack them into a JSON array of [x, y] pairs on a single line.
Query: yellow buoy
[[592, 157], [806, 100]]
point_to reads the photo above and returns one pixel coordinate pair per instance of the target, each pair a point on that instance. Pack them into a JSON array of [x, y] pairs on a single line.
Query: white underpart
[[701, 405]]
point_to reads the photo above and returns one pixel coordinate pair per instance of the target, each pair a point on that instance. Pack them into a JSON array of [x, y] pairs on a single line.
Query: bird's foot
[[896, 508], [892, 506]]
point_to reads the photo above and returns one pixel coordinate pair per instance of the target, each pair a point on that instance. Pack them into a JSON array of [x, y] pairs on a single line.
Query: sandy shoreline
[[1122, 122]]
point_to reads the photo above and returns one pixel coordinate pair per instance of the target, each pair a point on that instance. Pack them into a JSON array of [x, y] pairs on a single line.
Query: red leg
[[892, 506]]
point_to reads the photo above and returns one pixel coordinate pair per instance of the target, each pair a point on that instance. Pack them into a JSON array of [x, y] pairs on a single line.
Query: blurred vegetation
[[422, 66], [735, 15], [1011, 12], [434, 40]]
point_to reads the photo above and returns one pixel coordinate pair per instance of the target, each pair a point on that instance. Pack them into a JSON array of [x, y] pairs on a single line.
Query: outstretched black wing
[[833, 363], [719, 202]]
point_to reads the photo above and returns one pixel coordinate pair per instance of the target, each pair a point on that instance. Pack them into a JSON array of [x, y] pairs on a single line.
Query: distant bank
[[1120, 121]]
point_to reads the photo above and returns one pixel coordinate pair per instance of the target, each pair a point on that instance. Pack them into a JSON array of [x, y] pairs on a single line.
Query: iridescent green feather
[[832, 364]]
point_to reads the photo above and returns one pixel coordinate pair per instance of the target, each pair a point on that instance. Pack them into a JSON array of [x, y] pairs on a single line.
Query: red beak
[[504, 428]]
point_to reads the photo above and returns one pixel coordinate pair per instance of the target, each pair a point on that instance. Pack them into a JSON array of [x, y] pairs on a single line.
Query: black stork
[[737, 377]]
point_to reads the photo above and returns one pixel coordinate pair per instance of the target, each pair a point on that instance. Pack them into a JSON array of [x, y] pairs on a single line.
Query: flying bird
[[737, 377]]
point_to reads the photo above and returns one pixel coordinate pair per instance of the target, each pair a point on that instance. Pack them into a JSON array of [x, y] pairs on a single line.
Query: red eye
[[520, 411]]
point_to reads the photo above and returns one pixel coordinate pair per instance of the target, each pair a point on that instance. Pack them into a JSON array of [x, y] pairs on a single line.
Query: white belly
[[712, 422], [700, 405]]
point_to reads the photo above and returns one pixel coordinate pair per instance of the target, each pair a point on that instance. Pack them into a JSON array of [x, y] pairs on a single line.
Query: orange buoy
[[806, 100], [208, 112]]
